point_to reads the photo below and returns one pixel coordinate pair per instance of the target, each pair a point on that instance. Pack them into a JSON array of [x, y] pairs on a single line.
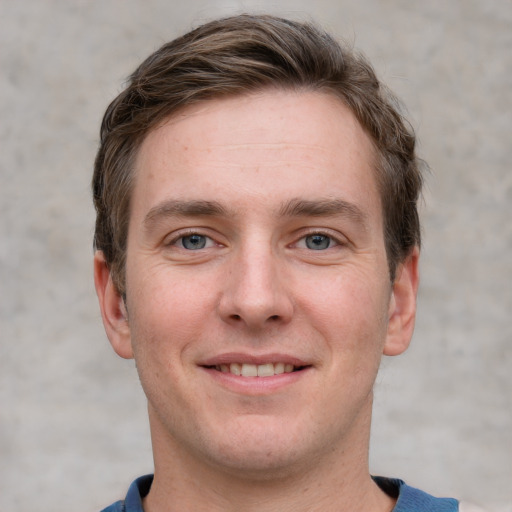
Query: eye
[[194, 242], [317, 242]]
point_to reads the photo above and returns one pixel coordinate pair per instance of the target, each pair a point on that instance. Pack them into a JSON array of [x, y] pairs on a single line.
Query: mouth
[[256, 375], [257, 370]]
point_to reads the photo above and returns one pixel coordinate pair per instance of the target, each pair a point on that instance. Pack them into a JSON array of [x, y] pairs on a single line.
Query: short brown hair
[[237, 55]]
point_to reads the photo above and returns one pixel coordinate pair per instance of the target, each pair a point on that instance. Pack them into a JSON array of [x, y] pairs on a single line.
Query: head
[[256, 191], [239, 55]]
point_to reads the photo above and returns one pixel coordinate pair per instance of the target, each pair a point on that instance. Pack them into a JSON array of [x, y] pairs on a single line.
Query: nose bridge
[[256, 293]]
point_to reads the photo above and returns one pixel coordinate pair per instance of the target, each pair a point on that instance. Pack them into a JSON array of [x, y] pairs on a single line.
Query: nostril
[[235, 317], [274, 317]]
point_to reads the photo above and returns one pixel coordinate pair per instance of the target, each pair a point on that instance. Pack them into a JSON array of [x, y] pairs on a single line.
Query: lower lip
[[256, 385]]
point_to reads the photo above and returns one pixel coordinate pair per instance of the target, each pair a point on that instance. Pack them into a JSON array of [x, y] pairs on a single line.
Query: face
[[258, 294]]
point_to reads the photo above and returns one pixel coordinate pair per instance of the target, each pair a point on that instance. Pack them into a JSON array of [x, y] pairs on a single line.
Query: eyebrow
[[293, 208], [322, 208], [178, 208]]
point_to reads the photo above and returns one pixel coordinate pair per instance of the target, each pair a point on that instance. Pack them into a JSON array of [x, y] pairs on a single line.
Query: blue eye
[[194, 242], [318, 242]]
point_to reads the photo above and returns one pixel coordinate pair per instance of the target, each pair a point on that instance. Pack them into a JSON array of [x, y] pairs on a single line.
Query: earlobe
[[113, 310], [402, 306]]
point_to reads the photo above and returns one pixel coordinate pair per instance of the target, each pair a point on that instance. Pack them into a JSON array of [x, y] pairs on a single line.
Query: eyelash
[[333, 240], [175, 241]]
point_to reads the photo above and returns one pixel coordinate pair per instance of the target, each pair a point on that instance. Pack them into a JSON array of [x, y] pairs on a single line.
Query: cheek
[[350, 310], [164, 328], [170, 296], [162, 322]]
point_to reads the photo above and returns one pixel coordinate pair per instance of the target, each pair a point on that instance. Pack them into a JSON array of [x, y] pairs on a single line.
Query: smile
[[257, 370]]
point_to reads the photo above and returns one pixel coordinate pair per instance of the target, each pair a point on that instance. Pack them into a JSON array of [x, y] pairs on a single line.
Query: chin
[[261, 450], [259, 464]]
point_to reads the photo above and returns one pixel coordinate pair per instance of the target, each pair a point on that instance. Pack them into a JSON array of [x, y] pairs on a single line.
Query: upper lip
[[239, 357]]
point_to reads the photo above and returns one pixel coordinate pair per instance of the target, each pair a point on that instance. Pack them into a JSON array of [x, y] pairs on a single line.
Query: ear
[[113, 310], [402, 306]]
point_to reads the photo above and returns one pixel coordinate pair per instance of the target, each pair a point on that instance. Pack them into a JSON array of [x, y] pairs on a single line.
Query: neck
[[356, 493], [338, 480]]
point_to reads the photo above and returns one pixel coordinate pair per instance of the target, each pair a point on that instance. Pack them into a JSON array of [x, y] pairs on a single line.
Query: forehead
[[252, 116], [273, 145]]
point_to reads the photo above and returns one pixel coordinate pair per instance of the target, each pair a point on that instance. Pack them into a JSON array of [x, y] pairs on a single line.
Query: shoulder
[[410, 499], [133, 501], [118, 506]]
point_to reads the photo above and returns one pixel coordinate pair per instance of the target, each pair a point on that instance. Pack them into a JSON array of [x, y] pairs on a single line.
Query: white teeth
[[279, 368], [235, 368], [265, 370], [256, 370], [249, 370]]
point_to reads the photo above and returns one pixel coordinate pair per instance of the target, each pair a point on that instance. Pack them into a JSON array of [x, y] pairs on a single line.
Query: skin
[[255, 179]]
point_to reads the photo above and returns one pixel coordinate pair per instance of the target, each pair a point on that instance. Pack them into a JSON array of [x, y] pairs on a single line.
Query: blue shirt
[[408, 498]]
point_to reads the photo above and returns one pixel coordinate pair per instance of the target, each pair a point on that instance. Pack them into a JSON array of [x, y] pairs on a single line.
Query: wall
[[73, 428]]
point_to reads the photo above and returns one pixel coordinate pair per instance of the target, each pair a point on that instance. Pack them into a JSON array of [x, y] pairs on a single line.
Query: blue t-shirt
[[408, 498]]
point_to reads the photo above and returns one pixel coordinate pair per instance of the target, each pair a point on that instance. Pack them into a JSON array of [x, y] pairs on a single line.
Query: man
[[257, 245]]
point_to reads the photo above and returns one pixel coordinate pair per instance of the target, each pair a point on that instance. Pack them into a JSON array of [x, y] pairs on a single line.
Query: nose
[[256, 293]]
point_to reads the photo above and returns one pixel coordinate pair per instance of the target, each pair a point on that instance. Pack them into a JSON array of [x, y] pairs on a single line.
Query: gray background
[[73, 428]]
